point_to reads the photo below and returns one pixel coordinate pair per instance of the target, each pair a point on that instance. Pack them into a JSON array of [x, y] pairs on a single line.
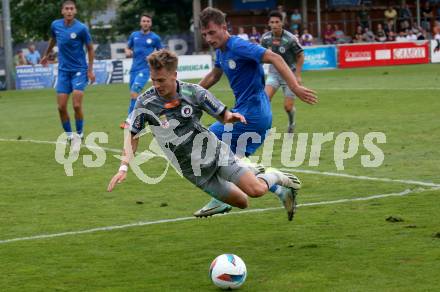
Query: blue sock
[[79, 126], [66, 126], [277, 190], [131, 107]]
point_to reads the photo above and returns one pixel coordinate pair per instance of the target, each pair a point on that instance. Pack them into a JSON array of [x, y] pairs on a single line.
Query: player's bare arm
[[299, 66], [130, 147], [211, 78], [230, 117], [44, 60], [305, 94], [91, 56]]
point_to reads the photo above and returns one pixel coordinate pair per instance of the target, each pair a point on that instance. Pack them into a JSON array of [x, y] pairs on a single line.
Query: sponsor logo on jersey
[[186, 111], [73, 35], [232, 65]]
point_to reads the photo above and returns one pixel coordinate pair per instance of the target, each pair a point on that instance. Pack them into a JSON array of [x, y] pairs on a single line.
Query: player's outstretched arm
[[305, 94], [45, 59], [211, 78], [299, 66], [130, 147]]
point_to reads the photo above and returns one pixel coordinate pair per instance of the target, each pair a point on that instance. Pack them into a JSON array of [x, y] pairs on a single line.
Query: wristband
[[123, 168]]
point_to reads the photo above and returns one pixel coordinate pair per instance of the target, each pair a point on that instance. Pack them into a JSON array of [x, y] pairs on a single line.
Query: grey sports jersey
[[175, 123], [287, 47]]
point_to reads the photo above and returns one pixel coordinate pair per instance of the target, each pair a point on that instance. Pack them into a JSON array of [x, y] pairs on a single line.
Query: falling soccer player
[[173, 110]]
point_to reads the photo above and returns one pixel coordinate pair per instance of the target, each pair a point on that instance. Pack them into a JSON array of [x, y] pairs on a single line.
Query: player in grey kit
[[173, 110], [287, 46]]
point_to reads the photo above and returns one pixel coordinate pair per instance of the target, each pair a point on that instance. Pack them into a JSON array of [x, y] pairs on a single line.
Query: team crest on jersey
[[164, 122], [282, 50], [73, 35], [231, 64], [186, 111], [149, 41]]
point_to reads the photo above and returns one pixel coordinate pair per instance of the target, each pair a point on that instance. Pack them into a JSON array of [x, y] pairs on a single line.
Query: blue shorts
[[138, 80], [70, 81], [244, 138]]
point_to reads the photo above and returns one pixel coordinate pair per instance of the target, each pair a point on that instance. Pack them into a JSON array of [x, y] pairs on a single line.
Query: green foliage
[[31, 19], [168, 16]]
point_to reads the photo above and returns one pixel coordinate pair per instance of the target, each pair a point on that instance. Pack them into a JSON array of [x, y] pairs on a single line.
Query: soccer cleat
[[213, 207], [291, 129], [124, 125], [289, 202]]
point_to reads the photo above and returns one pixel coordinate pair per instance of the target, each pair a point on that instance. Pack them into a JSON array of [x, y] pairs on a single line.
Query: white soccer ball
[[228, 271]]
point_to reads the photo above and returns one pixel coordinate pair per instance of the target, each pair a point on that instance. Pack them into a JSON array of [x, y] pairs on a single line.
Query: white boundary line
[[352, 89], [145, 223], [402, 181]]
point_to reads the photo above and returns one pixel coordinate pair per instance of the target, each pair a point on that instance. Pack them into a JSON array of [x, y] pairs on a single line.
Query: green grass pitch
[[339, 246]]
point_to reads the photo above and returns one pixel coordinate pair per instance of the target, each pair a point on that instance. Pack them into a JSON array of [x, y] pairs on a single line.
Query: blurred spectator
[[410, 35], [329, 35], [401, 37], [306, 38], [368, 35], [405, 16], [283, 13], [427, 15], [33, 57], [295, 20], [419, 32], [19, 59], [242, 34], [339, 35], [391, 36], [380, 33], [363, 17], [255, 36], [358, 36], [390, 16], [296, 33], [436, 31]]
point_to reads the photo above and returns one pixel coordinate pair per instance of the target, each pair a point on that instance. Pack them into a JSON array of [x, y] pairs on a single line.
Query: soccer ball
[[228, 271]]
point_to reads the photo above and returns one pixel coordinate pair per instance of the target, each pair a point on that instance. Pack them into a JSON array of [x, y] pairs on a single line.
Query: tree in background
[[31, 19], [169, 17]]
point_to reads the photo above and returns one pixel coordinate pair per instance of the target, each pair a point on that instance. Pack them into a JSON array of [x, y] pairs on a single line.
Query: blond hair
[[163, 59]]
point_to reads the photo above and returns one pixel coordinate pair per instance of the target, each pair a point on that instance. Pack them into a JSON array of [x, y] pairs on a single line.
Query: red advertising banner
[[383, 54]]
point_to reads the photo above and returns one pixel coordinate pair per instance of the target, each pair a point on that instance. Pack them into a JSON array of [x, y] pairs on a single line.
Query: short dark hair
[[163, 59], [145, 14], [68, 2], [212, 14], [275, 13]]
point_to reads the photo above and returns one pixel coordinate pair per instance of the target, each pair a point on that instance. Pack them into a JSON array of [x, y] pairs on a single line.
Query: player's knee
[[255, 190], [62, 108], [77, 107], [242, 203]]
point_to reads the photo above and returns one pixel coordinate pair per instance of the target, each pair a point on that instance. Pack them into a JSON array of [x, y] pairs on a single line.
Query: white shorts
[[276, 81]]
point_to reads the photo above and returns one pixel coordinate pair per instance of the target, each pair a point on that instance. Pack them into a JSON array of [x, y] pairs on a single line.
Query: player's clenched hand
[[306, 95], [91, 76], [118, 178]]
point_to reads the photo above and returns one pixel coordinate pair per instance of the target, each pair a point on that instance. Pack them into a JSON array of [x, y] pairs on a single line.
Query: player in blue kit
[[140, 45], [241, 61], [71, 35]]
